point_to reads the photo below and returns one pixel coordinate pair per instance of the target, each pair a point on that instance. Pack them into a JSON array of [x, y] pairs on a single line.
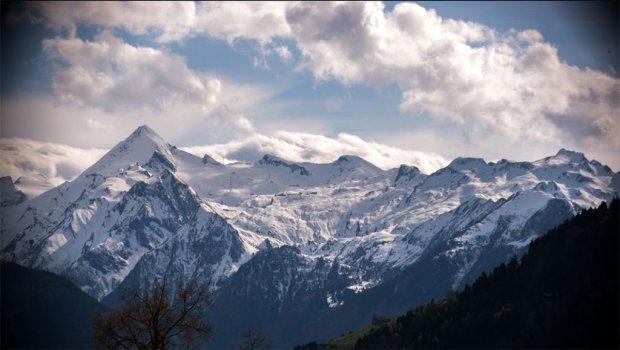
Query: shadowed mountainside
[[44, 310]]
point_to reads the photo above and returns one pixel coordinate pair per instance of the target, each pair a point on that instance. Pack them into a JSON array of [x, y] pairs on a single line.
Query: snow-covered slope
[[147, 208], [96, 228]]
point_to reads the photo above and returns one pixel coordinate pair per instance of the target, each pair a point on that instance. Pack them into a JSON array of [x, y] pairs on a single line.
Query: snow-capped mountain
[[98, 227], [273, 235]]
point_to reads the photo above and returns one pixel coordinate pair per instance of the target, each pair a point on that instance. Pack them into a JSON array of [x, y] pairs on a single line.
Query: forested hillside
[[562, 294], [44, 310]]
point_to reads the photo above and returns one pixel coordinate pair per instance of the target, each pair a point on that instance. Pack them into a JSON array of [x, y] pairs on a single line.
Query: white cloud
[[283, 52], [44, 118], [168, 20], [300, 147], [171, 20], [96, 125], [43, 165], [249, 20], [236, 120], [115, 76], [513, 84], [530, 35], [136, 85], [510, 84]]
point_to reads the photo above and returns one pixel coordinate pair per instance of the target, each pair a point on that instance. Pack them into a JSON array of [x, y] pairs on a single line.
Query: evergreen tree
[[562, 294]]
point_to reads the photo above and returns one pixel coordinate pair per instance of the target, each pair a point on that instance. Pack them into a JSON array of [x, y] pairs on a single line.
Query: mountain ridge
[[567, 282], [146, 201]]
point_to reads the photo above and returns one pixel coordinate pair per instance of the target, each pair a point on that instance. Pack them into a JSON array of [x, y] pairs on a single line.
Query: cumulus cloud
[[300, 147], [43, 118], [512, 83], [236, 120], [529, 35], [40, 166], [167, 20], [248, 20], [115, 76]]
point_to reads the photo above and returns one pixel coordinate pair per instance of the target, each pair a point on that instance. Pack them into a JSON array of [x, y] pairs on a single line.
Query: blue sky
[[395, 83]]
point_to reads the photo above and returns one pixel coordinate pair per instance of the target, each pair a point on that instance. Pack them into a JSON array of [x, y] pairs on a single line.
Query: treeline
[[562, 294], [41, 310]]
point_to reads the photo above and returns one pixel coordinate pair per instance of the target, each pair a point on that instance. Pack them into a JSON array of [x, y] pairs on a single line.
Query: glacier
[[285, 233]]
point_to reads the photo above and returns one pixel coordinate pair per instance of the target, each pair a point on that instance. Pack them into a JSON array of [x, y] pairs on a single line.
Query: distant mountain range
[[563, 293], [302, 251]]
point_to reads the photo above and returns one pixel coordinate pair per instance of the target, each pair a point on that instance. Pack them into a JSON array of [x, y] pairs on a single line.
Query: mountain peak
[[350, 160], [145, 132], [570, 154], [407, 173], [144, 128], [138, 147], [207, 159], [356, 164], [565, 157], [271, 160], [465, 160], [467, 163], [347, 158]]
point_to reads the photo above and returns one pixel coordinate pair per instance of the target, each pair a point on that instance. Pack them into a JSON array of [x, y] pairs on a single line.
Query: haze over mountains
[[317, 244]]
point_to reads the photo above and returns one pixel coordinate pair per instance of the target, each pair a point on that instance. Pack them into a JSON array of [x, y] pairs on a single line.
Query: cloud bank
[[485, 84], [303, 147], [513, 84], [40, 166], [117, 77], [167, 21]]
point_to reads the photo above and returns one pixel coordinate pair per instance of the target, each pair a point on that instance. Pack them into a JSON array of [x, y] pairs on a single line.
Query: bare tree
[[253, 339], [158, 318]]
